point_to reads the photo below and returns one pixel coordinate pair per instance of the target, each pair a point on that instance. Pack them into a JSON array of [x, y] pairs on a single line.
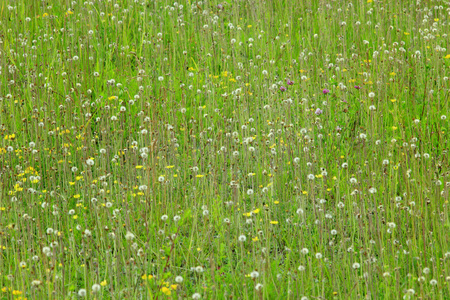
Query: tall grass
[[238, 149]]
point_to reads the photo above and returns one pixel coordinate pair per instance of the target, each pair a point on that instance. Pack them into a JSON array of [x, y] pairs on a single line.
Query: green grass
[[208, 180]]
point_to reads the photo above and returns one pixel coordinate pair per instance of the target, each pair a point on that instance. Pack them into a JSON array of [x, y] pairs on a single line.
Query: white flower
[[176, 218], [199, 269], [356, 266], [254, 274], [164, 217], [311, 177], [196, 296], [161, 178], [301, 268], [242, 238], [129, 236], [178, 279], [258, 287], [304, 251], [433, 282], [82, 293], [318, 255], [371, 94], [96, 287], [90, 162]]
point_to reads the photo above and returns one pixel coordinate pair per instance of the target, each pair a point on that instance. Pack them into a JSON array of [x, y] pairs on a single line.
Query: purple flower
[[283, 89], [219, 6], [290, 82], [318, 111], [325, 91], [357, 87]]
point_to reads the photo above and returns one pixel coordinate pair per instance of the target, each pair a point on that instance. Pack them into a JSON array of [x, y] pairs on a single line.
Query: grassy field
[[235, 149]]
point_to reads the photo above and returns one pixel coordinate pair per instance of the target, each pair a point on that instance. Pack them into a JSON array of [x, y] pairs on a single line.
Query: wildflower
[[289, 82], [82, 293], [258, 287], [318, 111], [357, 87], [166, 291], [178, 279], [176, 218], [129, 236], [283, 89], [301, 268], [318, 255], [356, 266], [196, 296], [254, 274], [90, 162], [371, 94], [325, 91], [433, 282], [96, 287], [304, 251], [242, 238], [36, 282]]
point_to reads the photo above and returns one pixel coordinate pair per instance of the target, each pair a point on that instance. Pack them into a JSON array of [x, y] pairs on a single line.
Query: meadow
[[234, 149]]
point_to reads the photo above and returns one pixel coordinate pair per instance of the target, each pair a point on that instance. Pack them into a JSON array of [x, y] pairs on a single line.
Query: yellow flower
[[174, 286], [447, 56], [274, 222], [103, 283], [255, 239], [393, 100], [166, 291], [199, 176], [139, 167]]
